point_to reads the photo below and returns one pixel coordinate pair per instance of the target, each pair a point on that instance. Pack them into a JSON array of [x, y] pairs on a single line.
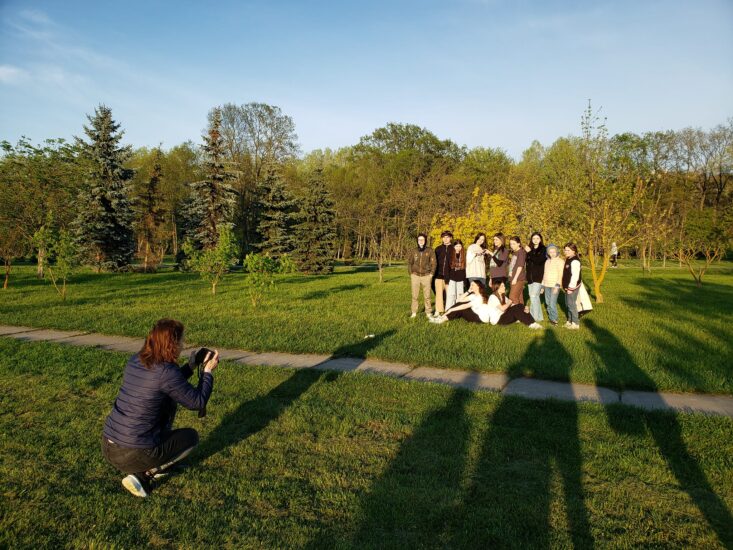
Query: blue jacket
[[147, 399]]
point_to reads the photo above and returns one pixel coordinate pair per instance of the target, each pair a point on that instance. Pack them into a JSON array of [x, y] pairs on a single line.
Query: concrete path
[[529, 388]]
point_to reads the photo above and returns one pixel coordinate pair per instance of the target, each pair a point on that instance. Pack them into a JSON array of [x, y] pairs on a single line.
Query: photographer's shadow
[[255, 415]]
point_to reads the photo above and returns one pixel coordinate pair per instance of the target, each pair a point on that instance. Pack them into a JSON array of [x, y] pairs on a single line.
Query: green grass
[[321, 460], [653, 332]]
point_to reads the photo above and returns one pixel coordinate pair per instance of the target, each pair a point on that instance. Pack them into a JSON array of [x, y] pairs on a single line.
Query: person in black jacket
[[138, 438], [442, 272], [536, 257]]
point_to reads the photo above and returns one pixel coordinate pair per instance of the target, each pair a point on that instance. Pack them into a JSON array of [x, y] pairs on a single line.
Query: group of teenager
[[486, 285]]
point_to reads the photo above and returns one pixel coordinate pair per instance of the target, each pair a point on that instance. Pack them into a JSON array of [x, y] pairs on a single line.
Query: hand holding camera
[[206, 358]]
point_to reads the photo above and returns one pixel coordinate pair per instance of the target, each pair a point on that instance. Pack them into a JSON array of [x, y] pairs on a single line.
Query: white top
[[574, 274], [480, 308], [475, 264], [495, 311]]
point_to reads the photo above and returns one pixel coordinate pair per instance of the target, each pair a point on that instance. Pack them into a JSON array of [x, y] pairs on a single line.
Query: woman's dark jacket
[[147, 396], [536, 258]]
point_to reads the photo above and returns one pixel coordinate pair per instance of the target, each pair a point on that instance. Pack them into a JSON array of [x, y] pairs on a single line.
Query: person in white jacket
[[571, 283], [475, 260]]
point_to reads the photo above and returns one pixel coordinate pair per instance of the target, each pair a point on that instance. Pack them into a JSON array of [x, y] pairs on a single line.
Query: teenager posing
[[457, 274], [475, 263], [536, 257], [503, 312], [552, 280], [421, 266], [442, 256], [571, 281], [472, 306], [517, 271], [498, 261]]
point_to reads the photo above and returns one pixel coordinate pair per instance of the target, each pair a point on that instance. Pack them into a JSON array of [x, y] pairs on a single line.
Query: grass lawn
[[653, 332], [320, 460]]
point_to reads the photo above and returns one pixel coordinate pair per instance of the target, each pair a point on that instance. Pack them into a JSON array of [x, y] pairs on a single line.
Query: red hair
[[163, 344]]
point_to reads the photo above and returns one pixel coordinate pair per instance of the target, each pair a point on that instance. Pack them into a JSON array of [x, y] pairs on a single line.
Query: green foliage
[[104, 229], [150, 215], [277, 216], [316, 231], [213, 263], [260, 270], [703, 240], [62, 248]]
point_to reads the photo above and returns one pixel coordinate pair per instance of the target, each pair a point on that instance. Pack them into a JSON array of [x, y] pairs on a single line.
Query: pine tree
[[151, 215], [316, 231], [216, 195], [104, 223], [277, 208]]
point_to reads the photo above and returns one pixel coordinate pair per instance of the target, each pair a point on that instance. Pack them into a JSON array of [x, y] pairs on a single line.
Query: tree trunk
[[7, 274], [39, 266], [213, 287]]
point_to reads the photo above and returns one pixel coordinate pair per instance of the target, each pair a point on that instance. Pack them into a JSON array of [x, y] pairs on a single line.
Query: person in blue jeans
[[536, 257], [571, 281], [552, 280]]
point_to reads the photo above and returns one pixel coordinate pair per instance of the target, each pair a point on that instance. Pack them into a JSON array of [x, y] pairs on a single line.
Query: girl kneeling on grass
[[138, 438], [504, 312], [471, 306]]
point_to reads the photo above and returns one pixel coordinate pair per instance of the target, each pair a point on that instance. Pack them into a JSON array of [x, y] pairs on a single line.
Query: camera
[[200, 359]]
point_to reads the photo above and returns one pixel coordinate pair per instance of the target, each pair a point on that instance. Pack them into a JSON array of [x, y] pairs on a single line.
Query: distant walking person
[[457, 274], [498, 261], [536, 257], [138, 437], [552, 281], [421, 265], [517, 271], [614, 255], [443, 254], [503, 312], [571, 282], [475, 262]]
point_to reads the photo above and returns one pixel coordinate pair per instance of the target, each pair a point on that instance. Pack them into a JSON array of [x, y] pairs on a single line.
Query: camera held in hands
[[203, 356]]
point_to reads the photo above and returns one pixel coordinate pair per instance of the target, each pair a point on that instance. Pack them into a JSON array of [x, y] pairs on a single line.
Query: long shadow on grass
[[507, 502], [320, 294], [255, 415], [667, 433], [430, 496]]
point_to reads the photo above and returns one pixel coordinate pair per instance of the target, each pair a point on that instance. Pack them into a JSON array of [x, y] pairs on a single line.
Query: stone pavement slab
[[6, 330], [276, 359], [711, 404], [104, 341], [531, 388], [48, 335], [459, 379], [371, 366]]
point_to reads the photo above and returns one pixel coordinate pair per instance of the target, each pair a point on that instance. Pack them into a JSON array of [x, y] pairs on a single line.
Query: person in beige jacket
[[552, 281], [421, 264]]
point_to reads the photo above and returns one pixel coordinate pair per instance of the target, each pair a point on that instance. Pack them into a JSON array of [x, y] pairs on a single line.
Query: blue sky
[[480, 72]]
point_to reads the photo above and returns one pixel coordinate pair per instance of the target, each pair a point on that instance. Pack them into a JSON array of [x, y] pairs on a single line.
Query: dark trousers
[[515, 313], [467, 314], [613, 260], [175, 445]]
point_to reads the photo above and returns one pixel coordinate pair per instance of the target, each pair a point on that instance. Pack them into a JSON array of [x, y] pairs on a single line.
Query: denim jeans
[[551, 295], [571, 300], [535, 303], [455, 289]]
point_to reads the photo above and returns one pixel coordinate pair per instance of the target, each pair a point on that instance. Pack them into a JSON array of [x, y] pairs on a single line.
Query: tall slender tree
[[316, 231], [277, 208], [215, 194], [104, 223], [151, 216]]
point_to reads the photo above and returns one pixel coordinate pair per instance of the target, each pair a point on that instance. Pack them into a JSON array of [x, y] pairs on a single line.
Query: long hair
[[475, 240], [482, 291], [542, 241], [572, 247], [458, 259], [495, 292], [162, 345]]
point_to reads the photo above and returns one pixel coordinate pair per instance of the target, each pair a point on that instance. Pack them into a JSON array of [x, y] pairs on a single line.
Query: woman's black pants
[[515, 313]]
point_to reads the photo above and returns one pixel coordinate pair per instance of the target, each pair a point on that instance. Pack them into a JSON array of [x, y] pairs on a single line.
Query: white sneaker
[[567, 324], [138, 487], [535, 326], [573, 326], [413, 315], [440, 320]]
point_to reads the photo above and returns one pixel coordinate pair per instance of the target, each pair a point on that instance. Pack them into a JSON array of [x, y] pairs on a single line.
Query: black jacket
[[536, 258], [442, 255]]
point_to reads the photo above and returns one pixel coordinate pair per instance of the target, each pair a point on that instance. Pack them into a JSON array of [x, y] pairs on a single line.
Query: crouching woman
[[138, 437]]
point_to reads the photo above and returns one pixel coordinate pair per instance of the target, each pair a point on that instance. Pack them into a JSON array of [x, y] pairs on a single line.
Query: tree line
[[658, 195]]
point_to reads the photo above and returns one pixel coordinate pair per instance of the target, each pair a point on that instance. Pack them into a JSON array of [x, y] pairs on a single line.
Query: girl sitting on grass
[[503, 312], [471, 306]]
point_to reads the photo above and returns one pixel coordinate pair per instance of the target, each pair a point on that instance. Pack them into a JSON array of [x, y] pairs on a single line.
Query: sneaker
[[567, 324], [553, 323], [413, 315], [138, 484], [440, 320], [574, 326], [535, 326]]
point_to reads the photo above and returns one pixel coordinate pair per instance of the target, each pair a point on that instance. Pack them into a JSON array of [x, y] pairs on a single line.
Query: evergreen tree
[[316, 231], [277, 208], [215, 196], [104, 223], [151, 215]]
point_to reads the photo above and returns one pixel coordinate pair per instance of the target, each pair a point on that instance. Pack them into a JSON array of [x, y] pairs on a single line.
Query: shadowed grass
[[678, 337]]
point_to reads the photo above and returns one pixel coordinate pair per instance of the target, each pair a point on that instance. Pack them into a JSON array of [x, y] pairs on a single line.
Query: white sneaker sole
[[132, 484]]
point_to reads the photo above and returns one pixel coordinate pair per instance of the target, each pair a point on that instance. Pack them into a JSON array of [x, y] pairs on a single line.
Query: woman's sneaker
[[139, 485], [535, 326], [568, 324], [574, 326]]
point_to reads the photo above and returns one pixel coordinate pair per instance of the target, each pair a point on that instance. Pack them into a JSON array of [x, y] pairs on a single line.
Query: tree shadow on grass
[[667, 434], [431, 496], [320, 294], [255, 415]]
